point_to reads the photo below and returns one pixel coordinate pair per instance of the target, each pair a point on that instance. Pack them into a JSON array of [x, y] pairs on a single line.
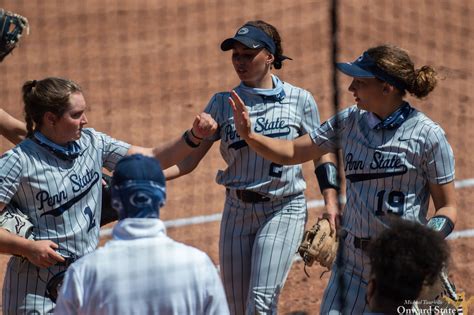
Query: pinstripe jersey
[[387, 170], [62, 198], [295, 115]]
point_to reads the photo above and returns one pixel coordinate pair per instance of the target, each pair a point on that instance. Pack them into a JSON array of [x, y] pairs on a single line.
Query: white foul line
[[311, 204]]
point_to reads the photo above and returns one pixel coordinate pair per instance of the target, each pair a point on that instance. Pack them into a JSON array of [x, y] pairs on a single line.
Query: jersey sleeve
[[112, 149], [310, 117], [10, 175], [439, 157], [329, 135], [214, 108]]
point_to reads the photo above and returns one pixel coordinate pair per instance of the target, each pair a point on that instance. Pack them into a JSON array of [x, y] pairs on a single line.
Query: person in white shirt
[[141, 270]]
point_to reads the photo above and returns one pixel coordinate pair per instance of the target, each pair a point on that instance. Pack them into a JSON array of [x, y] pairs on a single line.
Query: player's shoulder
[[352, 112], [24, 148], [424, 124], [218, 101], [91, 132], [14, 155], [90, 135], [220, 96], [293, 90], [190, 253]]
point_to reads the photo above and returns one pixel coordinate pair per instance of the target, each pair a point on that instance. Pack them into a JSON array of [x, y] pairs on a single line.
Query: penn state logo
[[141, 199], [243, 31]]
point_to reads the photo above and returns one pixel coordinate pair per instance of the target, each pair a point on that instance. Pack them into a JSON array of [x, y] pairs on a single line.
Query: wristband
[[188, 141], [192, 132], [327, 176], [442, 224]]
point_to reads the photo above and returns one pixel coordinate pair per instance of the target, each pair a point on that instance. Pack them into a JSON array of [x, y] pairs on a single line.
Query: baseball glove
[[12, 27], [319, 244], [108, 213], [16, 222]]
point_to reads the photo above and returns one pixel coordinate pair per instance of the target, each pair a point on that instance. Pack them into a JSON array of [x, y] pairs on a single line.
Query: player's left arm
[[11, 128], [326, 173], [444, 199], [174, 151]]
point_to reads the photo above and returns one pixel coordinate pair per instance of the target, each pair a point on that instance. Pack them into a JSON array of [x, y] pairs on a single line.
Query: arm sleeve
[[310, 117], [10, 175], [330, 134], [439, 163], [70, 297]]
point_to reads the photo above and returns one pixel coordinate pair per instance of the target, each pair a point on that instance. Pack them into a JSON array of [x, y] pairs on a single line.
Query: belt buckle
[[361, 242]]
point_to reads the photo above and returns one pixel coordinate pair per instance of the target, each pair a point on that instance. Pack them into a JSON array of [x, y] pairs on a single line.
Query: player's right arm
[[187, 165], [40, 253], [285, 152], [11, 128], [174, 151]]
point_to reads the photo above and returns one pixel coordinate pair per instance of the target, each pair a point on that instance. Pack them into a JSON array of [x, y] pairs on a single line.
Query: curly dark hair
[[396, 62], [404, 258]]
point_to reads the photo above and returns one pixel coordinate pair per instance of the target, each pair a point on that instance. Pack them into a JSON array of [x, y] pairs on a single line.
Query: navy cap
[[138, 187], [365, 67], [138, 167], [252, 37]]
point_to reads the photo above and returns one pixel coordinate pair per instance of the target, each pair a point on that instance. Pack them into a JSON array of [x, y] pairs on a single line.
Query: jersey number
[[88, 212], [276, 170], [396, 200]]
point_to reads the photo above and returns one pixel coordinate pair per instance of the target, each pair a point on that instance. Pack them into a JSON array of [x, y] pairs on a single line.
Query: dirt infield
[[147, 67]]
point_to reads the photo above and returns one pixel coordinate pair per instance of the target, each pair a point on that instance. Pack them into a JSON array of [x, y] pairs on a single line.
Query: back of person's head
[[404, 258], [47, 95], [138, 187], [396, 62]]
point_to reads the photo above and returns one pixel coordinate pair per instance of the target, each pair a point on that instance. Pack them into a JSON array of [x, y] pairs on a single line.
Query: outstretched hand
[[204, 126], [241, 115]]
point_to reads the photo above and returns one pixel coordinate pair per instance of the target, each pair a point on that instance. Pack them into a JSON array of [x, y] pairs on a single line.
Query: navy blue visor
[[252, 37], [365, 67]]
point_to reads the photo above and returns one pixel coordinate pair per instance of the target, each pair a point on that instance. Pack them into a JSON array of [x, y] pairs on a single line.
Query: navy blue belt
[[359, 242], [362, 243], [250, 196]]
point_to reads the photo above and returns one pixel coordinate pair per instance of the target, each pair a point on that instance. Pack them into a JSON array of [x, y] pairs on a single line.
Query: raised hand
[[241, 115], [204, 126]]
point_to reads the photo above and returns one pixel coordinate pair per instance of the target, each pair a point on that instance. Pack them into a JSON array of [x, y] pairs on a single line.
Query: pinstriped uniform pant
[[352, 287], [256, 249], [24, 288]]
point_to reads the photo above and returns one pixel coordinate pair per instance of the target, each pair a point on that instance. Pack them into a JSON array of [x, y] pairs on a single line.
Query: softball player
[[54, 178], [394, 159], [265, 209]]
